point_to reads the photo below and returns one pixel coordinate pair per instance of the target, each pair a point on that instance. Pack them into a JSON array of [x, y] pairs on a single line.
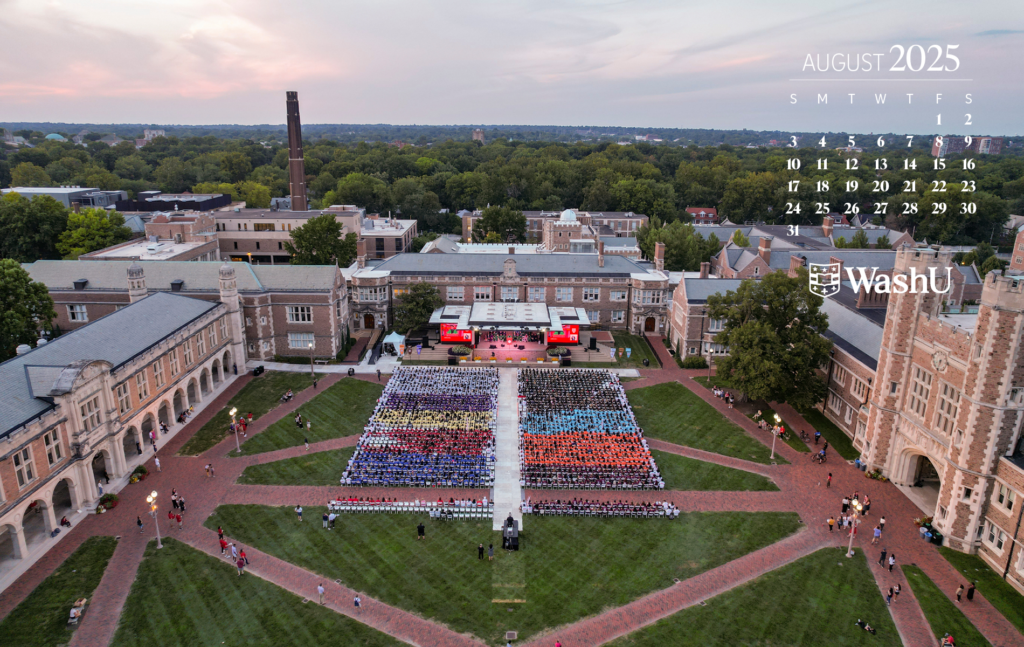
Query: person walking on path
[[888, 597], [181, 503], [314, 384], [881, 523], [177, 517], [298, 420], [817, 436], [831, 522], [156, 461], [421, 531], [138, 521], [207, 467], [846, 505], [298, 512], [881, 560], [174, 499], [824, 447], [357, 602], [828, 481], [306, 440], [220, 533], [480, 551], [896, 591], [170, 519], [212, 471], [892, 561], [878, 535], [242, 556], [959, 593], [240, 563], [223, 545], [320, 590], [378, 375], [970, 593], [234, 552]]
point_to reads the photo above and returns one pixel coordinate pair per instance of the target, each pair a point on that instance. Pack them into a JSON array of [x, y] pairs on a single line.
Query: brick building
[[167, 237], [284, 307], [703, 215], [79, 408], [606, 223]]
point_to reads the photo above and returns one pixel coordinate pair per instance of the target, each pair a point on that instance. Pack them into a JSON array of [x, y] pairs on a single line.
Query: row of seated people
[[431, 441], [443, 379], [589, 508], [437, 401], [423, 419], [385, 504], [386, 468], [567, 389], [590, 479], [556, 422]]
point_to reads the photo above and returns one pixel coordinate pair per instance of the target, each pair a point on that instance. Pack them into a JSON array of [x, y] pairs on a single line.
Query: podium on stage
[[510, 534]]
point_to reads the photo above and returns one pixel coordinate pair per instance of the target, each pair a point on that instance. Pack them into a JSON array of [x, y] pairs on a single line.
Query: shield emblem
[[824, 278]]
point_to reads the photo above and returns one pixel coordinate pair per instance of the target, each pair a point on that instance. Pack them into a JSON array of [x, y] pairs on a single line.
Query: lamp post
[[312, 375], [856, 506], [778, 421], [151, 500], [238, 446]]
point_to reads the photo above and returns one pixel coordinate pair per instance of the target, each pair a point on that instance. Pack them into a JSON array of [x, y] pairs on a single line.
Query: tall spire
[[296, 165]]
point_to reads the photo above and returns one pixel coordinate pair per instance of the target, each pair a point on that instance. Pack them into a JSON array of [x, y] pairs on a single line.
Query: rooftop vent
[[176, 285], [80, 283], [22, 349]]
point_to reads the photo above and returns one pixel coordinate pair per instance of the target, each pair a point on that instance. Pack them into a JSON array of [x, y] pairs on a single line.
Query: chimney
[[705, 269], [764, 249], [796, 261], [659, 256], [361, 253], [296, 165], [600, 253], [826, 225], [511, 249], [836, 261], [76, 207]]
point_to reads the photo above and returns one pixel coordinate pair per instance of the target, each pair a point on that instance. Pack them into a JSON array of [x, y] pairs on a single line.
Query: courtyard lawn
[[315, 468], [341, 410], [837, 439], [942, 614], [714, 381], [1003, 597], [682, 473], [673, 413], [573, 567], [641, 350], [814, 601], [792, 437], [184, 597], [259, 396], [42, 617]]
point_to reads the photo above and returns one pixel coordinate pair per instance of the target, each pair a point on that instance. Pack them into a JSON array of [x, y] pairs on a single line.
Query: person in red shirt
[[178, 519], [243, 557], [223, 545], [241, 566]]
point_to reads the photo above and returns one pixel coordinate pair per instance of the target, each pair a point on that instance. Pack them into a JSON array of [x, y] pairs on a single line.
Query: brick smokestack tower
[[296, 165]]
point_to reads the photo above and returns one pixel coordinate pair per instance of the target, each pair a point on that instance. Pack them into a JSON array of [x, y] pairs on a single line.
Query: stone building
[[605, 223], [76, 411], [284, 307]]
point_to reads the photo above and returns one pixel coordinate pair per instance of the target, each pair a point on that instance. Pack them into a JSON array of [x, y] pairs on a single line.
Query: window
[[942, 512], [482, 293], [849, 415], [399, 292], [158, 373], [300, 340], [618, 295], [456, 293], [236, 244], [54, 453], [1005, 497], [23, 467], [509, 293], [200, 344], [173, 356], [248, 321], [996, 537], [563, 294], [372, 294], [618, 316], [693, 350], [835, 403], [187, 346], [266, 345], [893, 386], [280, 245], [921, 386], [839, 375], [861, 428], [257, 244], [263, 226], [142, 385], [77, 313], [263, 321], [300, 314], [949, 402], [716, 325], [223, 327], [967, 493], [647, 297], [124, 398], [594, 316], [958, 438], [860, 389], [536, 295], [90, 413], [591, 294], [337, 309]]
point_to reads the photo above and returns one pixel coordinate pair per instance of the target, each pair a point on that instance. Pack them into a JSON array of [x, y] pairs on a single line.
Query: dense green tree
[[28, 174], [859, 240], [413, 202], [319, 242], [174, 175], [370, 193], [882, 242], [217, 187], [132, 167], [508, 224], [416, 306], [740, 240], [419, 242], [256, 195], [235, 166], [992, 263], [92, 229], [30, 227], [773, 329], [26, 308]]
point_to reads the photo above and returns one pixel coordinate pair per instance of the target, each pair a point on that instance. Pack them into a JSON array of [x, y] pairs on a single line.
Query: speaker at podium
[[510, 534]]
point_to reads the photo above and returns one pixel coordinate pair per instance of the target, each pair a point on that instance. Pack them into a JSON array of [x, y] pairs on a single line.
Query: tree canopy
[[507, 225], [773, 330], [90, 230], [685, 248], [319, 242], [739, 239], [25, 308], [30, 227], [416, 306]]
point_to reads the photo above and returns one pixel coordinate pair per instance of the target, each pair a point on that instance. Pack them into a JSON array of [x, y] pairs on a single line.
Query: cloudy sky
[[669, 63]]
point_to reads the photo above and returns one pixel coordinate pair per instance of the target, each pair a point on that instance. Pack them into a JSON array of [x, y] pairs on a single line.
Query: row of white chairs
[[467, 512]]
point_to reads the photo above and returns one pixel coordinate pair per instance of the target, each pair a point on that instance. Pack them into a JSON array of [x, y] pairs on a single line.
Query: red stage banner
[[451, 334], [570, 335]]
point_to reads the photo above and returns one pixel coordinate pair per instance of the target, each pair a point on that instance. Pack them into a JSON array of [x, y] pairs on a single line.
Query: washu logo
[[825, 279]]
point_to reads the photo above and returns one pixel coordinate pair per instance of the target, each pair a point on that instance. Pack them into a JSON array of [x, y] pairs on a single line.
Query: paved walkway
[[801, 486], [507, 492]]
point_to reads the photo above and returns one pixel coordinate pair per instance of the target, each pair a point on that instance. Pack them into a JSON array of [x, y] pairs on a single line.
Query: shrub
[[695, 362], [141, 469], [558, 350], [461, 350], [109, 501]]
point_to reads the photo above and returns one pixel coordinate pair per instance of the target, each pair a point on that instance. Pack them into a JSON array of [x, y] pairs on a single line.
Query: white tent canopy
[[395, 339]]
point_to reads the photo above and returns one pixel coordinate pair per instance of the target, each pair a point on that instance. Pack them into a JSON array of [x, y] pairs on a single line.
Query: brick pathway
[[801, 486]]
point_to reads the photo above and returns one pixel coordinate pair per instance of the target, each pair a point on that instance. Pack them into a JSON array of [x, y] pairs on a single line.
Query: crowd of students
[[590, 508], [578, 431], [432, 427]]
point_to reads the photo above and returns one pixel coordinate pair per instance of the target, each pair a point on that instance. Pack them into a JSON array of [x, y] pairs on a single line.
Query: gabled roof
[[493, 264], [857, 332], [698, 290], [115, 338]]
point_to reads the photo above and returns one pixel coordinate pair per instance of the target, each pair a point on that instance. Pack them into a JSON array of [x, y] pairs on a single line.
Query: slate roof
[[698, 290], [115, 338], [854, 331], [615, 241], [493, 264]]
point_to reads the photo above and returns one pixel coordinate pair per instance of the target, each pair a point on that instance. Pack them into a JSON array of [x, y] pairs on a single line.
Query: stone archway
[[204, 382], [225, 362], [215, 373], [63, 500], [35, 524], [103, 467], [132, 442], [163, 413], [192, 391], [918, 477], [148, 425], [179, 403], [369, 322], [10, 549], [650, 324]]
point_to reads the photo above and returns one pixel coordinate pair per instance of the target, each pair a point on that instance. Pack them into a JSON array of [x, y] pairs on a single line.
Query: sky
[[656, 63]]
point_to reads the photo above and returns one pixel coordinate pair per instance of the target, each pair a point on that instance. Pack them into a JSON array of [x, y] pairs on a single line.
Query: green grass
[[943, 615], [315, 468], [812, 602], [641, 350], [184, 597], [996, 590], [714, 381], [836, 437], [424, 362], [673, 413], [42, 618], [792, 439], [574, 567], [682, 473], [341, 410], [259, 396]]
